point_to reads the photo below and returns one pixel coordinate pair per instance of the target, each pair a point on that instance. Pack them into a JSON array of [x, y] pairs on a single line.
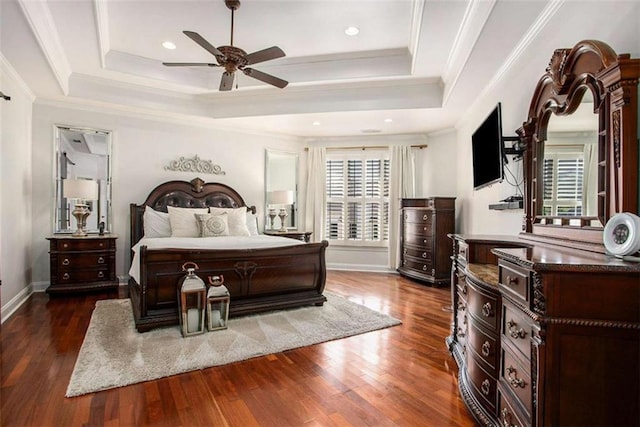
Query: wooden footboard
[[257, 279]]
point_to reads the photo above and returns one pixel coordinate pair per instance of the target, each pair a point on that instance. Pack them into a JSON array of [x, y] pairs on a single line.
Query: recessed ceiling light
[[316, 123], [351, 31], [169, 45], [388, 120]]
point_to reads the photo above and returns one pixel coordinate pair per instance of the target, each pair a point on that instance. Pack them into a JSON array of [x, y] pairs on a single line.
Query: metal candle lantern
[[192, 294], [218, 300]]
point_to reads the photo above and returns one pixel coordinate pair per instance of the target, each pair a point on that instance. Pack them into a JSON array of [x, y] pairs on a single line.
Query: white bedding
[[221, 242]]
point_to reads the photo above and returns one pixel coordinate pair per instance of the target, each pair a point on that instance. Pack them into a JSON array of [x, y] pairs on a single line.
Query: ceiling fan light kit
[[232, 58]]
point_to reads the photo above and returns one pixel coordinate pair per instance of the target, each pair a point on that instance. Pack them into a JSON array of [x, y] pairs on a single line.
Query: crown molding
[[8, 69]]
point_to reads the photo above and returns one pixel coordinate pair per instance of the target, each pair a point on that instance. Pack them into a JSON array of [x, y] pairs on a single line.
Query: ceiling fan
[[233, 58]]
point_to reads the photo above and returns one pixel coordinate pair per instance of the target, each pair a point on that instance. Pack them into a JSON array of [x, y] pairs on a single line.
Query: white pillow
[[252, 224], [237, 220], [183, 221], [155, 224], [213, 225]]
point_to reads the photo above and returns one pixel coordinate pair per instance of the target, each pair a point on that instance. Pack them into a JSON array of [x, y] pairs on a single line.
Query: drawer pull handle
[[66, 261], [506, 418], [514, 332], [515, 382], [101, 260], [424, 254], [461, 306], [101, 274], [424, 241], [485, 387], [424, 217], [512, 280], [486, 349], [404, 251], [101, 244], [461, 333], [404, 262], [487, 311], [424, 268], [65, 245], [65, 276]]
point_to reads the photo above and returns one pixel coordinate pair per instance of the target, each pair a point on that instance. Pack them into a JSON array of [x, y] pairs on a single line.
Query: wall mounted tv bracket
[[517, 147]]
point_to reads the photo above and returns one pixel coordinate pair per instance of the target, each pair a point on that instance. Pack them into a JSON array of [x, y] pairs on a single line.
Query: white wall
[[142, 147], [615, 23], [15, 190]]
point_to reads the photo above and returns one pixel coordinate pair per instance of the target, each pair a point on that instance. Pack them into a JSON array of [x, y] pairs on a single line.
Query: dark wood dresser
[[82, 263], [545, 335], [304, 236], [425, 249]]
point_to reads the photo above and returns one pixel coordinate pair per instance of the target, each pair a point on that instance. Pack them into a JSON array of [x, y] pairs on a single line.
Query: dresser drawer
[[483, 307], [73, 261], [507, 415], [514, 280], [484, 385], [418, 229], [516, 330], [517, 378], [423, 266], [421, 241], [486, 348], [420, 253], [81, 244], [421, 216]]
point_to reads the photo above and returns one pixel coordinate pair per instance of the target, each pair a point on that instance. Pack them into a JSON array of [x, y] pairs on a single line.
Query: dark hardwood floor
[[401, 376]]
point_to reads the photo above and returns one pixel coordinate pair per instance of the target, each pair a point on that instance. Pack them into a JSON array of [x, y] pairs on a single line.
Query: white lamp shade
[[82, 189], [281, 197]]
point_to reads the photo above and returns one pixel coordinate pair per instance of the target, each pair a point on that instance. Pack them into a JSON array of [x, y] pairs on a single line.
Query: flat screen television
[[487, 149]]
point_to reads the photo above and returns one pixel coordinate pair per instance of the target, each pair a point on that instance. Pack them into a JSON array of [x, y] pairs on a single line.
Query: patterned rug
[[115, 354]]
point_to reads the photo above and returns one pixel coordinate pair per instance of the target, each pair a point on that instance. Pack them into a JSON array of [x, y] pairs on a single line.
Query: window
[[563, 174], [357, 209]]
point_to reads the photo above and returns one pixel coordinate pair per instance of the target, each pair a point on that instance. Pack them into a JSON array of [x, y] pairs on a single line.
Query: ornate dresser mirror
[[592, 75], [82, 154]]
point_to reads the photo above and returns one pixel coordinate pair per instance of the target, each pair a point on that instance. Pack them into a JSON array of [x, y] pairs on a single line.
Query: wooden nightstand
[[305, 236], [82, 263]]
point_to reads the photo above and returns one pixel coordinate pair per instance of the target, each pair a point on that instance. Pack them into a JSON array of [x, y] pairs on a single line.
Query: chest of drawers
[[82, 263], [425, 250]]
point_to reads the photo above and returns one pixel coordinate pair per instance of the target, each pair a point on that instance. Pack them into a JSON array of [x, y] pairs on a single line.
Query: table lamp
[[80, 190], [282, 198]]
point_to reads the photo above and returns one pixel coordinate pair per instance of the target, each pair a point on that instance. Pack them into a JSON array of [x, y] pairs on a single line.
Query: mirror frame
[[267, 182], [57, 180], [613, 81]]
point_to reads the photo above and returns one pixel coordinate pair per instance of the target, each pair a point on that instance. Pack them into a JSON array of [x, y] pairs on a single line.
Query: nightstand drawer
[[75, 276], [75, 261], [423, 266], [82, 244]]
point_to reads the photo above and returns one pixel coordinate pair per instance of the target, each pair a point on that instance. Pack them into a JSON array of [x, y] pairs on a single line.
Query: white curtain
[[402, 185], [590, 181], [316, 192]]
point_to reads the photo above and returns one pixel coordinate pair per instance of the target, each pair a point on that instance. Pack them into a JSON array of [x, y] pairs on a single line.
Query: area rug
[[115, 354]]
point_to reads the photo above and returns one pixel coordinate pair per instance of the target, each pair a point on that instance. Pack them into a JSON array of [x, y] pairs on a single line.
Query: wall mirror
[[281, 190], [591, 85], [82, 154]]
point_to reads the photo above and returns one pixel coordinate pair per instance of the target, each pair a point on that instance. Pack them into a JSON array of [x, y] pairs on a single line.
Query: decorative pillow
[[183, 221], [252, 224], [213, 225], [156, 224], [237, 220]]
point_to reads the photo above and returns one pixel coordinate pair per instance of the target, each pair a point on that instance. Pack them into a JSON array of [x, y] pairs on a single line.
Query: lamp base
[[81, 212], [283, 215], [272, 217]]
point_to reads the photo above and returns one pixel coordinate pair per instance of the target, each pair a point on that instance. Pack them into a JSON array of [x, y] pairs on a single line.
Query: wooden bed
[[257, 279]]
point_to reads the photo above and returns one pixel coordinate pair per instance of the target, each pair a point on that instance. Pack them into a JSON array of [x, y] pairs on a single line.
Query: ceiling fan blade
[[264, 55], [227, 81], [202, 42], [189, 64], [264, 77]]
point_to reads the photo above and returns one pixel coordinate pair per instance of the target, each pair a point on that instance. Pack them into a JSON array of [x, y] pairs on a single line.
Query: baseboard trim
[[9, 308], [361, 267]]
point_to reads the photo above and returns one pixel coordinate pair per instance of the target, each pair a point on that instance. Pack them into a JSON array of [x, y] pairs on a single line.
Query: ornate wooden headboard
[[193, 194]]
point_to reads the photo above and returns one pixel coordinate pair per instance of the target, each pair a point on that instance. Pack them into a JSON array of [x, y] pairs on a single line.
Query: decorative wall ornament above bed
[[195, 164]]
